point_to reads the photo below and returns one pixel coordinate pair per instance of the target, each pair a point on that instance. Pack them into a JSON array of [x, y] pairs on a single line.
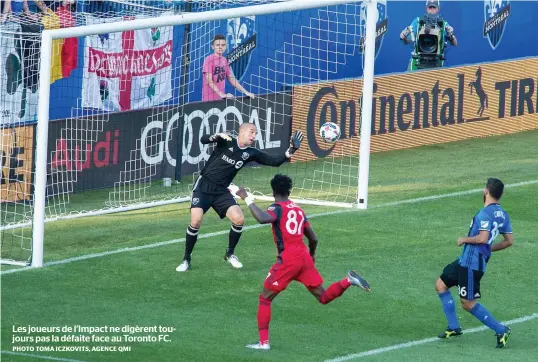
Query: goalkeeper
[[211, 188]]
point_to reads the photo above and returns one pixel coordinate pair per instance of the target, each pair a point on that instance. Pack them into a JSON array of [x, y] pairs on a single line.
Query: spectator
[[3, 11], [215, 72], [52, 4], [19, 12], [16, 10]]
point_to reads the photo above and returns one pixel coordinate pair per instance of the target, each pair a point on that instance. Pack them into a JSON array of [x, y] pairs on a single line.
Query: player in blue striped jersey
[[466, 272]]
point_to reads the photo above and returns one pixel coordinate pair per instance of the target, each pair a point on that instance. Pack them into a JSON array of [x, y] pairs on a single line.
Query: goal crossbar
[[190, 18]]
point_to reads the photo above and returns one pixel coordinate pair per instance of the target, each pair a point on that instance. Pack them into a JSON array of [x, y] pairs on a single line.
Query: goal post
[[308, 58], [366, 109]]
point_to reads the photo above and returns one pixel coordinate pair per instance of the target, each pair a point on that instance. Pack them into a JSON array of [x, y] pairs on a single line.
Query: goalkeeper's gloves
[[295, 143], [220, 136]]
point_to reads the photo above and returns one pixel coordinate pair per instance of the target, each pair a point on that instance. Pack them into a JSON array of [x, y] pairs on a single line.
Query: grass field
[[400, 248]]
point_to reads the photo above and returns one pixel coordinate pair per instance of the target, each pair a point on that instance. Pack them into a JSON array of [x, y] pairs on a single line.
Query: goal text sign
[[16, 160], [415, 109], [97, 151]]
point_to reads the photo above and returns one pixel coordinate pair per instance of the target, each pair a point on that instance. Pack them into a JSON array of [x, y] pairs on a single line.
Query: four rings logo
[[496, 13], [156, 138]]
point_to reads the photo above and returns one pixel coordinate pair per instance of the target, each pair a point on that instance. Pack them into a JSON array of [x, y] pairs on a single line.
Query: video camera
[[430, 45]]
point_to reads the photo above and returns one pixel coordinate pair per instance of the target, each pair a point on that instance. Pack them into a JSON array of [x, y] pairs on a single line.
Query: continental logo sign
[[17, 157], [423, 108]]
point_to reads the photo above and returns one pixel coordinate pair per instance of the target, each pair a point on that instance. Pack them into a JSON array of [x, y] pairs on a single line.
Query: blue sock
[[449, 308], [485, 317]]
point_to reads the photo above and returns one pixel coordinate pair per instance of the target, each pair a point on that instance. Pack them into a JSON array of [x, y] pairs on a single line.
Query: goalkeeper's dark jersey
[[228, 158]]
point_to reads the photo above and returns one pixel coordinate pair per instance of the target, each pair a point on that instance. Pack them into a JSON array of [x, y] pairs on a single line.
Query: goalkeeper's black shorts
[[206, 194]]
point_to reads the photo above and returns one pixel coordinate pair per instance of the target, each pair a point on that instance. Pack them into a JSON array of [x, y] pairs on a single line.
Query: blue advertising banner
[[272, 52]]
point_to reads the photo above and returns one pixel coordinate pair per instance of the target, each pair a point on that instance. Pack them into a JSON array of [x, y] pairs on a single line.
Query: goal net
[[121, 112]]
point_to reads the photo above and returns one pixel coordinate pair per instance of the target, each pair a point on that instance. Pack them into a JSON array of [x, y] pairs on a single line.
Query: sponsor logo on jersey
[[484, 224], [228, 159]]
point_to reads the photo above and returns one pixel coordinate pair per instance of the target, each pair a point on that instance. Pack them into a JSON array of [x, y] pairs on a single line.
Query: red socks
[[334, 291], [264, 317], [264, 308]]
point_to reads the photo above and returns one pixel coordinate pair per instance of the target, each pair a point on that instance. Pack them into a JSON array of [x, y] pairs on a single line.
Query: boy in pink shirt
[[215, 72]]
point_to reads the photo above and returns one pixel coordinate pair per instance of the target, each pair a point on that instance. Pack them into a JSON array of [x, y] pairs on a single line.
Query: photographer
[[429, 34]]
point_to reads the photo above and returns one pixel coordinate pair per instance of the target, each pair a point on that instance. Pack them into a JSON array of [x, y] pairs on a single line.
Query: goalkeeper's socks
[[190, 240], [334, 291], [235, 234], [264, 318], [449, 308]]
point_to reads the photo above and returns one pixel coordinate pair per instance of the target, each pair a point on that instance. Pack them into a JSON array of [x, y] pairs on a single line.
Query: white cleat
[[183, 267], [232, 259], [259, 345]]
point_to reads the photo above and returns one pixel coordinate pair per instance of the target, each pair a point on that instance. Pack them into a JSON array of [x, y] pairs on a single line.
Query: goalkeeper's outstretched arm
[[275, 161], [218, 137]]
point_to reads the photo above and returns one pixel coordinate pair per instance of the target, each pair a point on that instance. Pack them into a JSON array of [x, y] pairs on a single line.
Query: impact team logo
[[381, 28], [241, 38], [496, 13]]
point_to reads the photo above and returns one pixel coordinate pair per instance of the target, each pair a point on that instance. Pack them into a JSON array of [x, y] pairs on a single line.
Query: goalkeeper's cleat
[[355, 279], [259, 345], [502, 339], [451, 333], [183, 267], [232, 259]]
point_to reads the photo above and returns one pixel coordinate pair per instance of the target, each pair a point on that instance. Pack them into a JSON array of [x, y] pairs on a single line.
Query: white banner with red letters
[[128, 70]]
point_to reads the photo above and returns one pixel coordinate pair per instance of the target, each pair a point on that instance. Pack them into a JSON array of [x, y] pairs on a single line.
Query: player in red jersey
[[294, 260]]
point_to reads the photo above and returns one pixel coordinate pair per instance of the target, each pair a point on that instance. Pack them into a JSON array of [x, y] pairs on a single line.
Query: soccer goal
[[118, 127]]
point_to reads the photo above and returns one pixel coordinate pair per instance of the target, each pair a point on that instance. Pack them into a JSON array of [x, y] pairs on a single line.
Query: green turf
[[395, 175], [400, 249]]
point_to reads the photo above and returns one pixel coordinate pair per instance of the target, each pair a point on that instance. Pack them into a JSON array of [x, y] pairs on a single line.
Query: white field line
[[256, 226], [394, 347]]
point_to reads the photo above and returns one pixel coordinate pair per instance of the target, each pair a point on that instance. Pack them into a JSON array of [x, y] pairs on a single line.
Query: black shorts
[[467, 280], [206, 194]]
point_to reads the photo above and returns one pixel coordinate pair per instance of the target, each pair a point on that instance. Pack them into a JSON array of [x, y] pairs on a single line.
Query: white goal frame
[[40, 179]]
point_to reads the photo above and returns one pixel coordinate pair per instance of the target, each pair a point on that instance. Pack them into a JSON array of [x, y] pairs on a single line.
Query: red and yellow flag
[[64, 51]]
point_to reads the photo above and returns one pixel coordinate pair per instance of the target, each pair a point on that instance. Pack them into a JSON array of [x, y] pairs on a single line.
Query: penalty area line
[[394, 347], [256, 226]]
